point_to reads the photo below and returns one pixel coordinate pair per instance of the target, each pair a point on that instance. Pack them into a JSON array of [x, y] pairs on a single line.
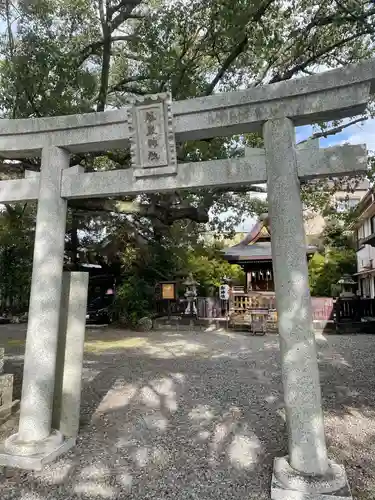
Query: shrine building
[[254, 255]]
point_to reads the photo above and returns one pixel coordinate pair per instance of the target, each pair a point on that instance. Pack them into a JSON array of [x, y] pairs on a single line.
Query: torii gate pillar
[[307, 460]]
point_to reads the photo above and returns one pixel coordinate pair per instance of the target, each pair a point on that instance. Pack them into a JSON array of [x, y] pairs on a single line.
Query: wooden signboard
[[168, 291]]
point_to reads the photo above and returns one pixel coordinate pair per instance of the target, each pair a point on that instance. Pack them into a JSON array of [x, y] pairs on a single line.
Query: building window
[[353, 202], [372, 223], [366, 292], [360, 236], [345, 204]]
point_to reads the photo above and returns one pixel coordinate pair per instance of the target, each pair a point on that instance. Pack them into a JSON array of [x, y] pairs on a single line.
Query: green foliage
[[316, 267], [339, 258], [142, 269], [38, 62], [16, 251], [335, 236], [64, 57], [209, 268], [133, 299], [325, 271]]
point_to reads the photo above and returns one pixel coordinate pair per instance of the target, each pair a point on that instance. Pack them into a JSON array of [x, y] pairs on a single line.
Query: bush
[[133, 300]]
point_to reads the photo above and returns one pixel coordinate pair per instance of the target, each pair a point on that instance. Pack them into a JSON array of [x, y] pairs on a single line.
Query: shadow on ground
[[198, 415]]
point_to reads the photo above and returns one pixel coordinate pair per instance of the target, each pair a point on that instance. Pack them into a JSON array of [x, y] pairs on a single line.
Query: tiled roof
[[255, 246], [257, 251]]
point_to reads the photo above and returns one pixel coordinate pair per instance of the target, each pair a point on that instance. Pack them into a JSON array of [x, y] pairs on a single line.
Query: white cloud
[[363, 134]]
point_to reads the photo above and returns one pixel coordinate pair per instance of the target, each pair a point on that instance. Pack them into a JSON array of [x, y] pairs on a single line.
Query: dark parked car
[[99, 310]]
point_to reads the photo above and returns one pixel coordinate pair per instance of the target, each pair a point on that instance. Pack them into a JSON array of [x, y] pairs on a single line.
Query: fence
[[169, 307], [353, 310], [213, 307], [240, 303], [322, 308]]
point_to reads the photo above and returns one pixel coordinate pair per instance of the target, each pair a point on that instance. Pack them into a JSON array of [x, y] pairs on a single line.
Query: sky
[[360, 133]]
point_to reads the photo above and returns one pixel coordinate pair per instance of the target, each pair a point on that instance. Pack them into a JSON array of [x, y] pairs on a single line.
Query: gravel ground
[[196, 416]]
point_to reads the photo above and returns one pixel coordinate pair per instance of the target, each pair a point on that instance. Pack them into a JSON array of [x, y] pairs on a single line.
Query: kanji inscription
[[152, 135]]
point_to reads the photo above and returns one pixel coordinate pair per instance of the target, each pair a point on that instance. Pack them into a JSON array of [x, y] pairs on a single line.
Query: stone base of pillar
[[33, 456], [288, 484]]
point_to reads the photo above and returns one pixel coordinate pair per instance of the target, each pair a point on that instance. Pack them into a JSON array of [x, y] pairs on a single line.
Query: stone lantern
[[191, 295], [347, 284]]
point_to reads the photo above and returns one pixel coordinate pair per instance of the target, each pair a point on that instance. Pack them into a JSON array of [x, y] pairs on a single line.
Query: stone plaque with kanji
[[152, 141]]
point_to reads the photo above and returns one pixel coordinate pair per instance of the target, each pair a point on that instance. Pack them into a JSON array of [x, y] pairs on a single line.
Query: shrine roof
[[255, 246]]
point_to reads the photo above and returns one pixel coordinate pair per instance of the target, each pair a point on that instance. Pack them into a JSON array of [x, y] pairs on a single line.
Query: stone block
[[42, 331], [287, 484], [337, 161], [67, 394], [6, 390], [34, 462], [31, 173], [226, 172], [19, 190], [325, 96]]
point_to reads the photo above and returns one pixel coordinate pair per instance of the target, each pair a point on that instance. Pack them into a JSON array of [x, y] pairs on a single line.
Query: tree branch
[[166, 215], [238, 49], [136, 57], [125, 38], [106, 57], [301, 66], [124, 15], [102, 16], [123, 3], [128, 89], [338, 20], [334, 130], [188, 65], [93, 48]]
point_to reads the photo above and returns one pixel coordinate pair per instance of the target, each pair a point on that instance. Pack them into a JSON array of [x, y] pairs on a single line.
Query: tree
[[325, 271], [16, 248], [70, 56], [338, 257], [335, 235], [105, 51], [207, 265]]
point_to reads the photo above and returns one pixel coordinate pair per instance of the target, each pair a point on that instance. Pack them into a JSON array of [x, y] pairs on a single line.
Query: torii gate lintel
[[338, 161]]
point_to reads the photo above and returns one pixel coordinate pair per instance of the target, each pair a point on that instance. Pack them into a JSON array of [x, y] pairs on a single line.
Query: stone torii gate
[[152, 125]]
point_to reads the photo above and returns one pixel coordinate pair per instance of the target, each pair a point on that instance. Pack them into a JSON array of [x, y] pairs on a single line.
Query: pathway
[[196, 416]]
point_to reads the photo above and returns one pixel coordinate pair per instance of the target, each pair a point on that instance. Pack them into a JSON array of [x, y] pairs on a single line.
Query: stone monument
[[6, 389], [151, 126]]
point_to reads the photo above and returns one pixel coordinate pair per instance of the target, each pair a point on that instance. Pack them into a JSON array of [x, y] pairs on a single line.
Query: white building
[[364, 229], [341, 201]]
